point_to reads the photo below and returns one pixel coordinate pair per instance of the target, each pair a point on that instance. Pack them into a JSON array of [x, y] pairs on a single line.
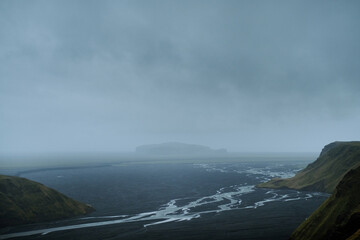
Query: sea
[[174, 200]]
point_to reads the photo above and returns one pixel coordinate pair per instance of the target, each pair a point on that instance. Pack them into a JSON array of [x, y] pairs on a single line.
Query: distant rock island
[[337, 171], [175, 149], [24, 201], [323, 175]]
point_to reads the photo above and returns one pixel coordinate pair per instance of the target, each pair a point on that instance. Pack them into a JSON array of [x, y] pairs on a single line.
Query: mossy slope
[[338, 217], [23, 201], [323, 175]]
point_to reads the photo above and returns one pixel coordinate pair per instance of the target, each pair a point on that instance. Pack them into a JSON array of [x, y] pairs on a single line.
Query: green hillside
[[325, 173], [338, 217], [23, 201]]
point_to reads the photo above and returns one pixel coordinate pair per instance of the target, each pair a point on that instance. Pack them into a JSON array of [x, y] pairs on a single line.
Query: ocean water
[[175, 201]]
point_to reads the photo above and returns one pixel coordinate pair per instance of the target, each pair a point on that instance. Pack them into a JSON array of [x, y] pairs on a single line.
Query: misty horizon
[[108, 76]]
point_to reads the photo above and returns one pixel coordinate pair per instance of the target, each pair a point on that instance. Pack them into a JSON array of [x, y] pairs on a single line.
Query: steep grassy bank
[[323, 175], [23, 201], [338, 217]]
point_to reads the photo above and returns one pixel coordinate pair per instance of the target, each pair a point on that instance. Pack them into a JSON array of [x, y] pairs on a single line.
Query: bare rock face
[[23, 201]]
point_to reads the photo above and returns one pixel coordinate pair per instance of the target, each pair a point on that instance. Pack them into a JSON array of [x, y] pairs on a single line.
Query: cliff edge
[[323, 175]]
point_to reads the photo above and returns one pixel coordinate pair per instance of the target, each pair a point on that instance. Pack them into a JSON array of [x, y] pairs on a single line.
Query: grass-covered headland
[[23, 201]]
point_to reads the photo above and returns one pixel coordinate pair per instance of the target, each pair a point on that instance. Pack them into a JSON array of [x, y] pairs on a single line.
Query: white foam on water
[[292, 199], [170, 212], [102, 217], [266, 173], [225, 199]]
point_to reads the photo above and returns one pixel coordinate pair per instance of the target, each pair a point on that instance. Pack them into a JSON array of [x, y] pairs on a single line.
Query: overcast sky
[[242, 75]]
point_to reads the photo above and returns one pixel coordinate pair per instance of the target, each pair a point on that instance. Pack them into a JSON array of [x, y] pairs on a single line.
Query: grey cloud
[[208, 72]]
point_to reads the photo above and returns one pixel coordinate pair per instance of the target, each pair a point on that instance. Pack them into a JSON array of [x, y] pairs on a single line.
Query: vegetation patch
[[23, 201], [323, 175]]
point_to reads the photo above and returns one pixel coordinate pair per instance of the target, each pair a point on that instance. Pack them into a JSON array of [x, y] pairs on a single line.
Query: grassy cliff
[[23, 201], [338, 217], [323, 175]]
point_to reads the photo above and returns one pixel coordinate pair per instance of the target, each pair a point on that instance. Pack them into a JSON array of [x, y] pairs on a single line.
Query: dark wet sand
[[275, 220], [133, 190]]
